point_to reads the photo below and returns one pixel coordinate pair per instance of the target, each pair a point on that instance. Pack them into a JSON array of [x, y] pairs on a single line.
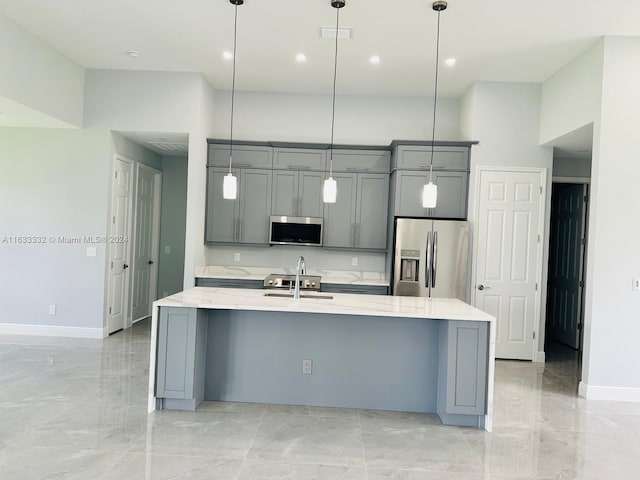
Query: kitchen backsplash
[[285, 256]]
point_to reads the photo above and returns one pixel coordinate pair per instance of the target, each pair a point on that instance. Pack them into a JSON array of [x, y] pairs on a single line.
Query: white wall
[[505, 118], [571, 97], [612, 313], [38, 76], [53, 183], [364, 120], [569, 167]]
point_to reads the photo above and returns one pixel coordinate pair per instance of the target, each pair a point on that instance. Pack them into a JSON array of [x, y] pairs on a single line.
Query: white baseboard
[[50, 330], [615, 394], [541, 357]]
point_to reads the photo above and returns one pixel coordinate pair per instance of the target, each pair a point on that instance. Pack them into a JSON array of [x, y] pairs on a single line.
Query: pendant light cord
[[233, 83], [335, 77], [435, 99]]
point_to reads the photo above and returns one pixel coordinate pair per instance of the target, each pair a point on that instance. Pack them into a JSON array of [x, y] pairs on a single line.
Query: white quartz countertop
[[258, 273], [340, 304]]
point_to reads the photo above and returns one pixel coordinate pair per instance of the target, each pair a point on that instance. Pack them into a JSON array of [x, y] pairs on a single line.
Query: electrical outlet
[[635, 286], [167, 250], [52, 309], [236, 257], [307, 366], [354, 261]]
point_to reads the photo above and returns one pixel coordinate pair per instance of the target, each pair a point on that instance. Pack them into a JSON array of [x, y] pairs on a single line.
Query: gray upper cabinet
[[299, 158], [452, 194], [244, 156], [358, 219], [418, 157], [297, 193], [344, 160], [245, 219]]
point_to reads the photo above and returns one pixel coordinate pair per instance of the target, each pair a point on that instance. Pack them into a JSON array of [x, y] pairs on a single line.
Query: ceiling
[[164, 143], [493, 40]]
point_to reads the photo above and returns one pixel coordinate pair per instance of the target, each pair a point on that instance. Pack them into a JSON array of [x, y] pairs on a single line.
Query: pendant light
[[230, 184], [430, 190], [330, 187]]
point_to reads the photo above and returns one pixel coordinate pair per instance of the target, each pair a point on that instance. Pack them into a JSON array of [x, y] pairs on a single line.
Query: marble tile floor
[[75, 409]]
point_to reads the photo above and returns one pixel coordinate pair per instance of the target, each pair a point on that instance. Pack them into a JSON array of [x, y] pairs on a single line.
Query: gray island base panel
[[371, 352]]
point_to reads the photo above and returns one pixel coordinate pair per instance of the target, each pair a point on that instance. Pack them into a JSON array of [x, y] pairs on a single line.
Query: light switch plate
[[635, 285], [52, 309], [167, 250], [92, 252], [307, 366], [236, 257]]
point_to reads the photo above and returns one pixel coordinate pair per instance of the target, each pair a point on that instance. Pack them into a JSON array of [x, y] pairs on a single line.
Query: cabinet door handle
[[357, 234], [241, 165], [240, 230], [301, 167], [352, 233]]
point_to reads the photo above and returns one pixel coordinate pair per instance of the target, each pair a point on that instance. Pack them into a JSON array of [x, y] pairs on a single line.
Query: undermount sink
[[302, 295]]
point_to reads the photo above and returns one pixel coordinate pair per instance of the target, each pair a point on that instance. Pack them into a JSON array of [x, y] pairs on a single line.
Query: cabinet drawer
[[361, 160], [419, 157], [244, 156], [299, 158]]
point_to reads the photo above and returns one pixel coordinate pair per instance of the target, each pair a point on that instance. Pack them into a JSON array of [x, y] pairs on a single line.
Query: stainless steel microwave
[[286, 230]]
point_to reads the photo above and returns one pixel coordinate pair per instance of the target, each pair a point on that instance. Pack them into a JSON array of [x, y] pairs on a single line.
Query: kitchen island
[[363, 351]]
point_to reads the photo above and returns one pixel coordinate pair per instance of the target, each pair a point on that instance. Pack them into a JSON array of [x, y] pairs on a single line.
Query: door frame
[[107, 299], [155, 242], [538, 326]]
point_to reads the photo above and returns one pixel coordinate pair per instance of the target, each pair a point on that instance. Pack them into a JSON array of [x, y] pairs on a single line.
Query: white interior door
[[145, 264], [120, 233], [508, 256]]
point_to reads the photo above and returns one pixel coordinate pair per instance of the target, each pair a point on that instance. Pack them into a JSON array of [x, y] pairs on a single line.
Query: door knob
[[150, 262], [482, 287], [125, 266]]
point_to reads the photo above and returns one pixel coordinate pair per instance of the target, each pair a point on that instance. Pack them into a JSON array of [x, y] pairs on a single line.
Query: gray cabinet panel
[[310, 194], [285, 192], [452, 194], [340, 217], [372, 209], [254, 192], [229, 283], [176, 353], [221, 222], [299, 158], [361, 160], [419, 157], [244, 156], [467, 345], [356, 289], [408, 187]]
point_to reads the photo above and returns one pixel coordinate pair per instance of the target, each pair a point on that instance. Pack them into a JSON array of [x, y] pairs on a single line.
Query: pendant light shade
[[330, 187], [230, 185], [429, 195], [430, 190], [330, 190]]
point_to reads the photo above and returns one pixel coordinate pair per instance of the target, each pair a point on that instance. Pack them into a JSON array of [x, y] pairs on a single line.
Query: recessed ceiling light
[[375, 60], [301, 57], [134, 53], [227, 55], [451, 62]]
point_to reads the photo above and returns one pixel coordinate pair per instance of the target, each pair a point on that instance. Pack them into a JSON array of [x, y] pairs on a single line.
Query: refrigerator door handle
[[427, 276], [435, 259]]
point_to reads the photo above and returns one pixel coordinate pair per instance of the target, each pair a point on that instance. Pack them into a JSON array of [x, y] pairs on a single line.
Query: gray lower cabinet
[[181, 357], [356, 289], [245, 219], [462, 383], [229, 283], [358, 219], [452, 194], [297, 193]]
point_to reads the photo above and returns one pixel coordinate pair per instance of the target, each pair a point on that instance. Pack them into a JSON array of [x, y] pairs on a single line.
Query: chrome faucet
[[301, 269]]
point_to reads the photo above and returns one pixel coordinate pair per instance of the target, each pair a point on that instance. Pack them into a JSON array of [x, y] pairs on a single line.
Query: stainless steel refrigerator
[[431, 258]]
